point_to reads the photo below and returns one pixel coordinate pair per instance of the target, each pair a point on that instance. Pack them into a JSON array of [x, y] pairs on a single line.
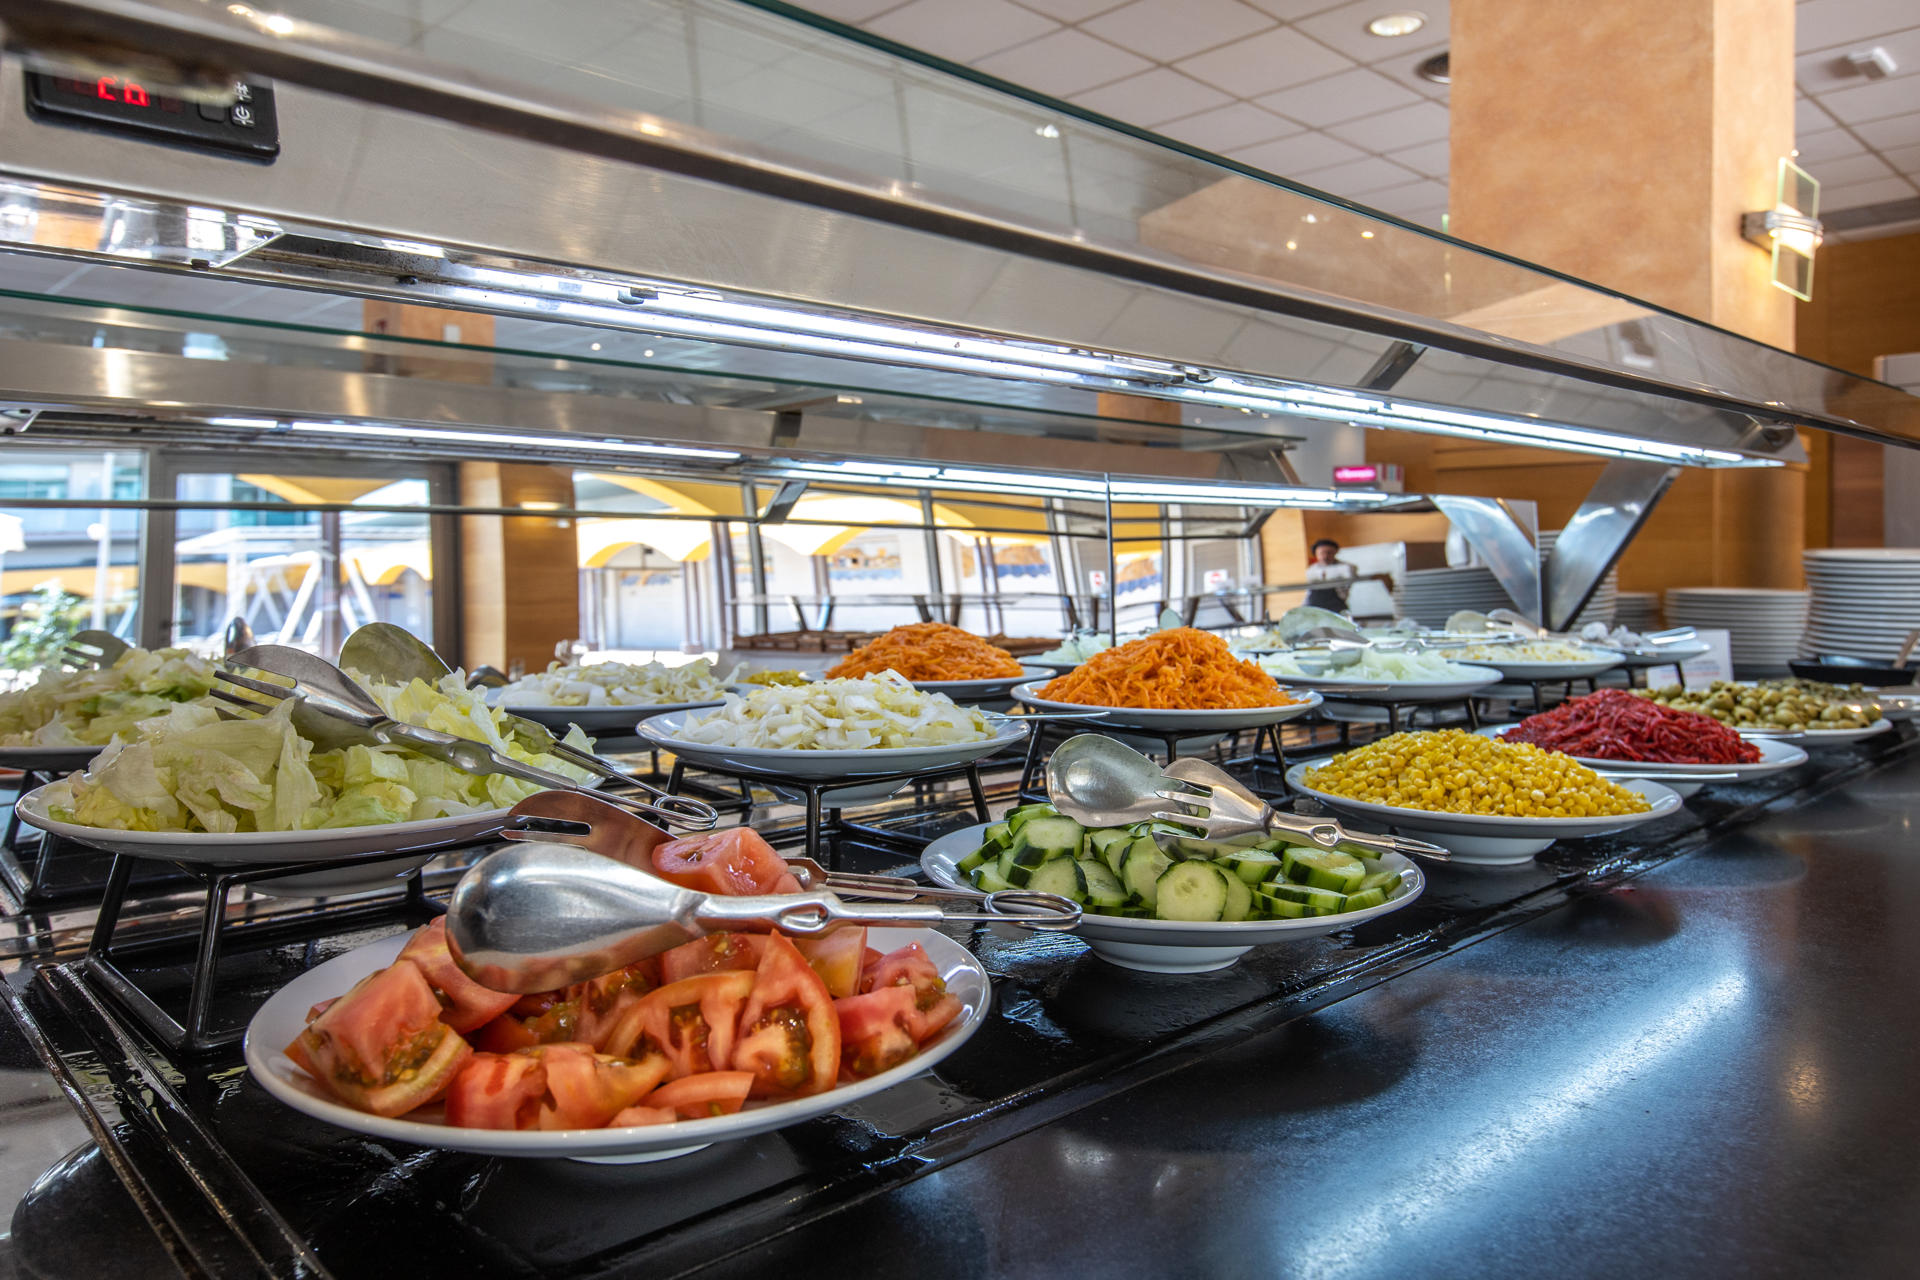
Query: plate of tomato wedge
[[725, 1037]]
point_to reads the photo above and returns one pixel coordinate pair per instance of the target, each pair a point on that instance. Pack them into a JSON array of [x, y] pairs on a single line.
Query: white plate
[[1398, 690], [48, 759], [1664, 656], [1775, 756], [1602, 660], [1816, 737], [596, 720], [284, 1015], [411, 842], [1477, 840], [814, 766], [994, 688], [1223, 721], [1171, 946]]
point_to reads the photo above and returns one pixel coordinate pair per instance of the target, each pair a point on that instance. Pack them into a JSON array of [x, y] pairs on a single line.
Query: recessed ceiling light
[[596, 346], [1048, 131], [1404, 23], [1438, 69]]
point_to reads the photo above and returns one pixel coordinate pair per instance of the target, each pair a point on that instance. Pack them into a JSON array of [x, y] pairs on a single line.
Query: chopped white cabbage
[[615, 684], [1400, 667], [871, 713], [188, 769], [87, 708], [1529, 651]]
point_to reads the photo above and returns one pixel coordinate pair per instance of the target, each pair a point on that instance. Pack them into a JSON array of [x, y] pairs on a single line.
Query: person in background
[[1336, 574]]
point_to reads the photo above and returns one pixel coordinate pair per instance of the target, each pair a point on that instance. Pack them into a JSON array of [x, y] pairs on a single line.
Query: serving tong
[[1099, 782], [575, 898], [332, 710]]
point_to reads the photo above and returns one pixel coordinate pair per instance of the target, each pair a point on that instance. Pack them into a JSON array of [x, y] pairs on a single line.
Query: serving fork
[[92, 649], [332, 711]]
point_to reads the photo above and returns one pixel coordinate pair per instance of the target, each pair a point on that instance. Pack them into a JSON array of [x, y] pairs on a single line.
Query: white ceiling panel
[[1875, 100], [1828, 70], [1239, 124], [1837, 173], [1828, 144], [1152, 97], [962, 32], [1071, 10], [1345, 28], [1430, 158], [1357, 177], [1063, 62], [1358, 92], [1391, 130], [1879, 191], [1168, 32], [1828, 24], [1296, 155], [1275, 59], [1898, 131]]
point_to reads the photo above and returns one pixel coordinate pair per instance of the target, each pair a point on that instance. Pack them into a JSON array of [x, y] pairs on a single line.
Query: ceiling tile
[[1429, 158], [1063, 63], [962, 32], [1421, 122], [1345, 29], [1829, 69], [1239, 124], [1272, 60], [1357, 177], [1168, 30], [1810, 117], [1899, 131], [1904, 159], [1879, 191], [851, 10], [1827, 144], [1407, 197], [1873, 101], [1852, 169], [1826, 24], [1404, 70], [1288, 10], [1151, 98], [1358, 92], [1293, 155], [1072, 10]]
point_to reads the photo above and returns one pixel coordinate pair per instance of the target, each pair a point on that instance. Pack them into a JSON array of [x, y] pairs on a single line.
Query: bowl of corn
[[1489, 803]]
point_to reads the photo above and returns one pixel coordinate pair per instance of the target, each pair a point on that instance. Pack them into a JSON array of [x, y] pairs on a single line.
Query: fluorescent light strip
[[1245, 495], [261, 424], [430, 434]]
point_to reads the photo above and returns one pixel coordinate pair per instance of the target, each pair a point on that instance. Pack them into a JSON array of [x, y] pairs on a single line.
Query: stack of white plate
[[1765, 624], [1428, 596], [1637, 610], [1601, 606], [1865, 600]]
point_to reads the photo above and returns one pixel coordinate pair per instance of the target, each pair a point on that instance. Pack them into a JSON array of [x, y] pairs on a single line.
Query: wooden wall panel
[[519, 575]]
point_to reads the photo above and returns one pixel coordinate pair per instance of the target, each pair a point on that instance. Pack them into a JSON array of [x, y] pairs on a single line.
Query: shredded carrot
[[1179, 670], [929, 651]]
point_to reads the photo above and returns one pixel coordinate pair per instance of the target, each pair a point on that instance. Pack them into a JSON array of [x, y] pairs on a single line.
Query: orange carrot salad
[[929, 651], [1179, 670]]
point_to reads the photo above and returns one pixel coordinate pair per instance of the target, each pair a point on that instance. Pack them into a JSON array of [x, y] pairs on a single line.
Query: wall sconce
[[1791, 230]]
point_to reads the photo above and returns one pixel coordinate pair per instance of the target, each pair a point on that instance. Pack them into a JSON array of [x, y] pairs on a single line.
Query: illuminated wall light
[[1791, 231]]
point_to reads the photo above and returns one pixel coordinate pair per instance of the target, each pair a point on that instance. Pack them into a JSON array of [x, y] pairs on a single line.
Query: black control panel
[[117, 104]]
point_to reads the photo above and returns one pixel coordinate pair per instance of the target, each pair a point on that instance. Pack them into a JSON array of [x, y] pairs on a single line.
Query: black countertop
[[1684, 1051]]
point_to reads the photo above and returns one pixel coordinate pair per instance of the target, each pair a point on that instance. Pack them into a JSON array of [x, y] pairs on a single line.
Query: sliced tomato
[[734, 862], [693, 1021], [715, 953], [609, 1008], [504, 1034], [639, 1115], [497, 1091], [465, 1004], [382, 1046], [789, 1033], [913, 968], [873, 1030], [532, 1006], [318, 1009], [837, 957], [585, 1089], [710, 1093]]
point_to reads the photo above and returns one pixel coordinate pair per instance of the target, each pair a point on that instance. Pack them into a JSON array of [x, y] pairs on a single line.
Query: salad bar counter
[[1566, 1041]]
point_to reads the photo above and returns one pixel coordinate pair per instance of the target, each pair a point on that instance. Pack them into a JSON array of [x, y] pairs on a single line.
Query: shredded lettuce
[[88, 708], [615, 684], [877, 712], [188, 769]]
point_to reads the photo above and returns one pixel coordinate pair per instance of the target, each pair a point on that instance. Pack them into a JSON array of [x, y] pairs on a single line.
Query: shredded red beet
[[1616, 725]]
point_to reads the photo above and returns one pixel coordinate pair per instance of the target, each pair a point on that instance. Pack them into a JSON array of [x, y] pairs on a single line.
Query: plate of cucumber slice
[[1173, 904]]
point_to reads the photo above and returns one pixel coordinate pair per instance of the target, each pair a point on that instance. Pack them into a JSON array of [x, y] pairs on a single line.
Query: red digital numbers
[[114, 89]]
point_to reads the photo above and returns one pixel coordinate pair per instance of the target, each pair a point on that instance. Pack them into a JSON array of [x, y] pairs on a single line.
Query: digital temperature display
[[121, 104]]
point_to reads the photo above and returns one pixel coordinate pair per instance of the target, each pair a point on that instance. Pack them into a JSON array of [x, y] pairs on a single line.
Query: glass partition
[[66, 568]]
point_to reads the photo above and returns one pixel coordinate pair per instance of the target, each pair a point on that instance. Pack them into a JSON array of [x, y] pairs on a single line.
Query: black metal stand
[[103, 961], [815, 791], [42, 870], [1396, 707]]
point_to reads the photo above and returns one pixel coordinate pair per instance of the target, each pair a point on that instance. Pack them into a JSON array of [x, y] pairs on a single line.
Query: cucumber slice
[[1324, 902], [977, 858], [1365, 898], [1387, 881], [1000, 834], [1017, 819], [1323, 869], [1029, 862], [1280, 908], [1142, 870], [1239, 896], [1003, 865], [1115, 855], [1101, 887], [1059, 876], [989, 880], [1098, 841], [1057, 835], [1278, 844], [1191, 890], [1251, 865]]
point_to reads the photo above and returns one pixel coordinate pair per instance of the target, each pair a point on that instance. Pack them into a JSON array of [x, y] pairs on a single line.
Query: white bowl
[[1182, 721], [284, 1015], [816, 766], [993, 688], [1775, 756], [599, 720], [1480, 840], [1173, 946], [1811, 738], [1602, 660], [1398, 690]]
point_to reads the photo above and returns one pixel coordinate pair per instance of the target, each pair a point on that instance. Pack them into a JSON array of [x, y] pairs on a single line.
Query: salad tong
[[575, 898], [1099, 782], [333, 711]]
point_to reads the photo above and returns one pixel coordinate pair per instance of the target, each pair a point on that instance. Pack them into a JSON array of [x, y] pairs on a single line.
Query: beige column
[[1620, 143]]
